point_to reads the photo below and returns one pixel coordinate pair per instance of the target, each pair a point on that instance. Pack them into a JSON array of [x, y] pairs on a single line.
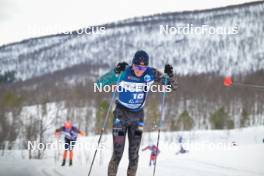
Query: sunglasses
[[140, 67]]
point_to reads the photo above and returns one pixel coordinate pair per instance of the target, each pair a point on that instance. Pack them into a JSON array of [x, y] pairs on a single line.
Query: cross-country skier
[[154, 153], [182, 150], [71, 133], [128, 114]]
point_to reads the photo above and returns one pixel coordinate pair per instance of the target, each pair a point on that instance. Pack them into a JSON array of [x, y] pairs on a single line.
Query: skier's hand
[[168, 70], [121, 66], [82, 133], [57, 134]]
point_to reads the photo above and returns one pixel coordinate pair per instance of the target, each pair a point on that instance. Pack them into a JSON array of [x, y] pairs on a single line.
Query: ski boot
[[70, 164], [63, 163]]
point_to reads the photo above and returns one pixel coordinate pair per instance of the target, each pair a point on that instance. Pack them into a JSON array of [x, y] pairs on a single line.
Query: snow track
[[245, 159], [232, 170], [201, 168]]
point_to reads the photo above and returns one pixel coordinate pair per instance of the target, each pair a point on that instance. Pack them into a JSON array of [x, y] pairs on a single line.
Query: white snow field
[[211, 153]]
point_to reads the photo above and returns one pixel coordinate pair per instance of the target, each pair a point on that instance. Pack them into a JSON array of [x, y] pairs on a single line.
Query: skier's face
[[139, 69], [68, 125]]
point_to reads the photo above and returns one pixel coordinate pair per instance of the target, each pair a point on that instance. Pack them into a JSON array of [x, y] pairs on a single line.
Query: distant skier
[[71, 133], [154, 153], [129, 114], [182, 150]]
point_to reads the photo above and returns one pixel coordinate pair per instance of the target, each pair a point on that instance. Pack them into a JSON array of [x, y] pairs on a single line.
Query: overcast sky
[[21, 19]]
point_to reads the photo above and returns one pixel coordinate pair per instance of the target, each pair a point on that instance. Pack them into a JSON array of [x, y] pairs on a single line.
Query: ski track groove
[[226, 167], [199, 172], [236, 171], [45, 172], [57, 172]]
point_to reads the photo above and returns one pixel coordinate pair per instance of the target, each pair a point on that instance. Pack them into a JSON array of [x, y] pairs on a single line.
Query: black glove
[[121, 66], [168, 70]]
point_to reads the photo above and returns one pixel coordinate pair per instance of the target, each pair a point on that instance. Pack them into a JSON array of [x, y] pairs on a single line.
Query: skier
[[128, 113], [71, 133], [154, 153], [182, 150]]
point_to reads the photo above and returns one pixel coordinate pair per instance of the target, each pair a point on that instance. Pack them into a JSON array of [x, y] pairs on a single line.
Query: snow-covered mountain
[[189, 53]]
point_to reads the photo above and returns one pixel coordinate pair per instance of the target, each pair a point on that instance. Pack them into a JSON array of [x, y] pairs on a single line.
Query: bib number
[[138, 96]]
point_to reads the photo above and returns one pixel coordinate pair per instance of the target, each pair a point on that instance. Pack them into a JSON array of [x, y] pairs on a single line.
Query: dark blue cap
[[139, 57]]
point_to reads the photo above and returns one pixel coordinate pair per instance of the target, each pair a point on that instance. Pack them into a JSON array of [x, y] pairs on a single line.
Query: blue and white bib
[[132, 90]]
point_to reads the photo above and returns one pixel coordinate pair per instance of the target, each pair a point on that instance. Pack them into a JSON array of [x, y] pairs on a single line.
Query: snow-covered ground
[[211, 154]]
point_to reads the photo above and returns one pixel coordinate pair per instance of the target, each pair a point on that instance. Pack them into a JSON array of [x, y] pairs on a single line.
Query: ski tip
[[228, 81]]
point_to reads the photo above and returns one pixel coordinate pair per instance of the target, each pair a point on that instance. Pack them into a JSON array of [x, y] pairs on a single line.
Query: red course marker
[[228, 81]]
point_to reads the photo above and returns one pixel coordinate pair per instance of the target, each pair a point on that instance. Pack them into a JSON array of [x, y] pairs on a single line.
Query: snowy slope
[[211, 154]]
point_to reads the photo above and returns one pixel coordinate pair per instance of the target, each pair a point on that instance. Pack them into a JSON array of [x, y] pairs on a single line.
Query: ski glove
[[121, 66], [168, 70]]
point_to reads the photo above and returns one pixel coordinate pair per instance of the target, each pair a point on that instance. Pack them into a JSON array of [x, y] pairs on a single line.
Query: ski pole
[[104, 125], [228, 82], [162, 117]]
